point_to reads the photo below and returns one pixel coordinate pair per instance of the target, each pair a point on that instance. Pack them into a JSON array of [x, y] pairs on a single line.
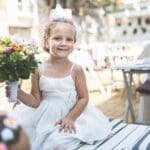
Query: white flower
[[7, 134]]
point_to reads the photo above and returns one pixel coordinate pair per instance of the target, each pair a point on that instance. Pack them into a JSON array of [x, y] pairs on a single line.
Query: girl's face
[[61, 40]]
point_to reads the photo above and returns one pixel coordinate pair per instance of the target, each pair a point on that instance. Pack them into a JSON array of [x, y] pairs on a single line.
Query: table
[[128, 70]]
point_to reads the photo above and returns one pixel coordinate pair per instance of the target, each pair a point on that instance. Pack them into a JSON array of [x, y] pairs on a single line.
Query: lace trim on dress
[[42, 69]]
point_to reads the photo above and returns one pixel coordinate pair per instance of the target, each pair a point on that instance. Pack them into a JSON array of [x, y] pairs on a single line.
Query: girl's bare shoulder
[[78, 69]]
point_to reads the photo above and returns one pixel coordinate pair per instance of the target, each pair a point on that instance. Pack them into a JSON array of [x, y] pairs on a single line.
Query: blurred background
[[109, 32]]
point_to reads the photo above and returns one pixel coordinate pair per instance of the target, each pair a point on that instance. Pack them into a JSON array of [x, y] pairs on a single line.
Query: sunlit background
[[109, 32], [97, 20]]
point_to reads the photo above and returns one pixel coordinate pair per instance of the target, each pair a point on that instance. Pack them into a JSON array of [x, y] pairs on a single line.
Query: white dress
[[59, 96]]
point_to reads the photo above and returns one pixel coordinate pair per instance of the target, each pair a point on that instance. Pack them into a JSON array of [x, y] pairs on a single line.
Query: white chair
[[83, 58], [145, 53]]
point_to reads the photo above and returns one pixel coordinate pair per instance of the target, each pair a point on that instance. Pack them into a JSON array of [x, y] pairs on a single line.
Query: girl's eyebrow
[[62, 35]]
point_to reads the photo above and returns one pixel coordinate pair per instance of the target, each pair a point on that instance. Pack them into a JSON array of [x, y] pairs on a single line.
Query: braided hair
[[9, 131]]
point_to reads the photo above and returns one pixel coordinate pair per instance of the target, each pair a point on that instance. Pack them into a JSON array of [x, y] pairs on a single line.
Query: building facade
[[19, 18]]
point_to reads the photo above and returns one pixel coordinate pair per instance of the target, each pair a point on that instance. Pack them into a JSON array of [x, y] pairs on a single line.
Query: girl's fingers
[[58, 122], [74, 129], [69, 129], [61, 128], [7, 91], [66, 127]]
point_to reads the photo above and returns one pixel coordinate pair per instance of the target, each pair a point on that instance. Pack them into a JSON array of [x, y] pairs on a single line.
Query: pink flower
[[7, 49], [11, 122], [3, 146]]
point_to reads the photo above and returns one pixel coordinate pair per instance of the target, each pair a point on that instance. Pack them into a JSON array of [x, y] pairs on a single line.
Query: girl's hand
[[66, 124], [7, 91]]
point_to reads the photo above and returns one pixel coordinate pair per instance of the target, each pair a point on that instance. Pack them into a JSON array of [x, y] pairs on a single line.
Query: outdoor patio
[[112, 104], [112, 46]]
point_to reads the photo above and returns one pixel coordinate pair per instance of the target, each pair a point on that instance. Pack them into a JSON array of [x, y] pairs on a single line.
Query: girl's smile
[[61, 40]]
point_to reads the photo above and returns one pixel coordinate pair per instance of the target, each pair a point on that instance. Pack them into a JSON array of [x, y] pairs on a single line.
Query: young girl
[[12, 136], [60, 117]]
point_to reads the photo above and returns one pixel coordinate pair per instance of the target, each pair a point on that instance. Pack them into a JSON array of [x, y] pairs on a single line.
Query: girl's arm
[[67, 123], [33, 99], [82, 93]]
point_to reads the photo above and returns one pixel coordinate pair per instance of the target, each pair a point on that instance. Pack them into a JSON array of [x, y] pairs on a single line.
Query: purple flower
[[7, 49]]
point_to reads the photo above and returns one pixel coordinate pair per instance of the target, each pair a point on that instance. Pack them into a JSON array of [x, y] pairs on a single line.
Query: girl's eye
[[60, 38], [57, 38], [69, 39]]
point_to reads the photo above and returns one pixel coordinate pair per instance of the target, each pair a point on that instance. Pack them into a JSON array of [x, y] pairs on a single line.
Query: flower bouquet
[[17, 61]]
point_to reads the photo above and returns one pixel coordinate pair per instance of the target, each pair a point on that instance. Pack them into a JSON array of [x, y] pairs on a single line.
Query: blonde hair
[[50, 24]]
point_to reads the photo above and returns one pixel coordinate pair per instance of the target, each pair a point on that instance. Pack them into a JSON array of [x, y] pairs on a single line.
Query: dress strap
[[72, 67], [41, 68]]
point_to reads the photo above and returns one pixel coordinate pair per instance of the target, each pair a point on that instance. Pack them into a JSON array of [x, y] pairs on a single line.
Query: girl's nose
[[63, 42]]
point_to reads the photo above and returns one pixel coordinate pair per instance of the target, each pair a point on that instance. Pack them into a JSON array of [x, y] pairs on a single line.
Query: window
[[20, 5], [25, 6], [30, 6]]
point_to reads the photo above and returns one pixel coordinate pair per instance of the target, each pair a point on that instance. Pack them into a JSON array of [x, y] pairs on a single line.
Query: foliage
[[17, 59]]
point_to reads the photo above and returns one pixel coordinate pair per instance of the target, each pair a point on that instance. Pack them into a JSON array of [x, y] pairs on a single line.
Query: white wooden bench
[[124, 137]]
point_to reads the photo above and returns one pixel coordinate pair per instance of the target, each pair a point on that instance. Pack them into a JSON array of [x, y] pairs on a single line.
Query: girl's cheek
[[73, 46]]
